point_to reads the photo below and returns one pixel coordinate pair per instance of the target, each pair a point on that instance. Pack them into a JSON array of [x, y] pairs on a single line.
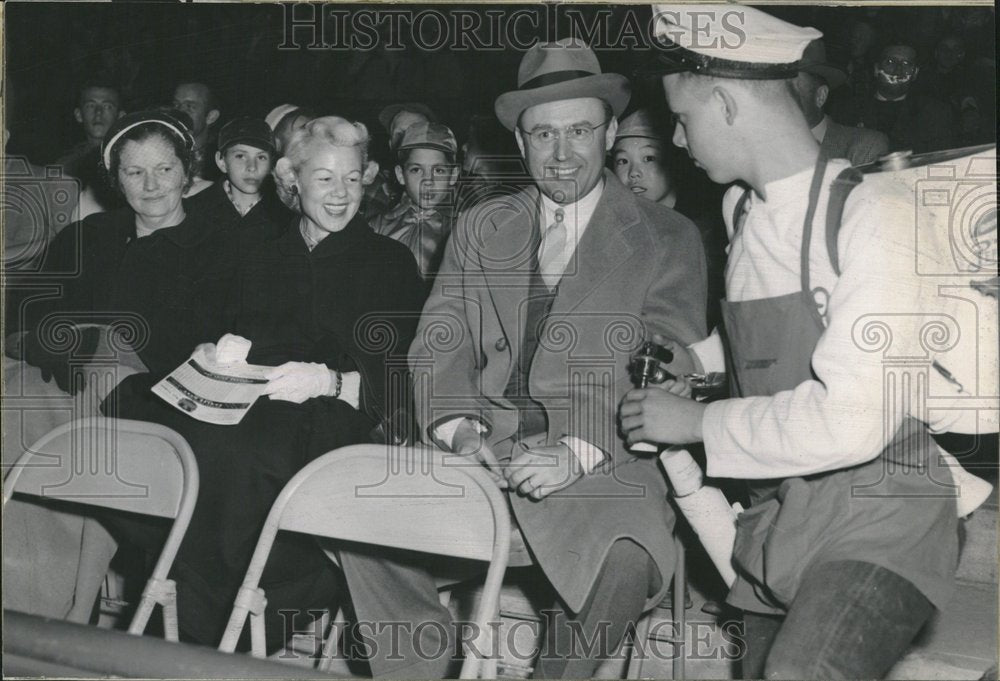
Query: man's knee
[[629, 561]]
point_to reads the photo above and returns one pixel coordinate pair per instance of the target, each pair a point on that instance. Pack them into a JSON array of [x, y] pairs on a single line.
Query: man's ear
[[609, 134], [453, 175], [371, 170], [399, 175], [822, 94], [121, 112], [726, 102], [220, 161], [520, 140], [211, 118], [78, 115], [916, 72]]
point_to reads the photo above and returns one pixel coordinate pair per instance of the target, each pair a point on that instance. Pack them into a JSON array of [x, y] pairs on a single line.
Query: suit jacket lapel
[[603, 247], [507, 259]]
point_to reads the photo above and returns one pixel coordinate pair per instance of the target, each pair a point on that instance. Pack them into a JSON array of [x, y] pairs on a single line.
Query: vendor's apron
[[891, 511]]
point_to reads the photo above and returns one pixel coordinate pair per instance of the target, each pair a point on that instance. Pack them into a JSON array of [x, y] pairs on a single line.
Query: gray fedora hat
[[814, 61], [566, 69]]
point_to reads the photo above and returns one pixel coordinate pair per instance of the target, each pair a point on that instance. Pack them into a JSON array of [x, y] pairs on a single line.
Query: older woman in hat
[[121, 260], [328, 304], [149, 271]]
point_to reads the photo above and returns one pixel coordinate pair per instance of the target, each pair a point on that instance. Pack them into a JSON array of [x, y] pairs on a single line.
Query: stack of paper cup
[[705, 507]]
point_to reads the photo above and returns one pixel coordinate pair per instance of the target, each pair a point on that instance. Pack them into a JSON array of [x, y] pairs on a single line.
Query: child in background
[[424, 216], [245, 199], [639, 159], [645, 162], [285, 119]]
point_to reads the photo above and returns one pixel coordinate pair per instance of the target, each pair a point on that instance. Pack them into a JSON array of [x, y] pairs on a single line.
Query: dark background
[[147, 47]]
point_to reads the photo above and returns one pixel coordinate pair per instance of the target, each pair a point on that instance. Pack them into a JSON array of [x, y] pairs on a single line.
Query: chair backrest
[[114, 463], [397, 497]]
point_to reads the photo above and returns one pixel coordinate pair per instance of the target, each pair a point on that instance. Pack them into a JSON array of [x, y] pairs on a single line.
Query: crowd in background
[[222, 130]]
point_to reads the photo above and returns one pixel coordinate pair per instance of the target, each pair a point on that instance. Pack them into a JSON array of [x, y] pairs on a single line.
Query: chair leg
[[638, 656], [258, 639], [170, 627], [249, 600], [330, 644], [679, 611], [164, 593]]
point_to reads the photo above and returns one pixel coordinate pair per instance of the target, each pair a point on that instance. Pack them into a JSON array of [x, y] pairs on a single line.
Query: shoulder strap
[[846, 181]]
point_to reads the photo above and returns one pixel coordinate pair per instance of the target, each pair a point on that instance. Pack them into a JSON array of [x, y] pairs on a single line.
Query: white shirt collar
[[577, 215], [819, 131]]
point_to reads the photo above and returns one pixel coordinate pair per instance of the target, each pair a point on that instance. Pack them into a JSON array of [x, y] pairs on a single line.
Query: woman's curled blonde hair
[[333, 130]]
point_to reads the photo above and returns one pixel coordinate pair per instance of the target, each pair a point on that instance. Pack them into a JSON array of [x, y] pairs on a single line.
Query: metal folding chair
[[396, 497], [122, 465]]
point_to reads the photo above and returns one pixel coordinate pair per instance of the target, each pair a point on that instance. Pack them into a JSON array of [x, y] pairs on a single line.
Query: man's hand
[[685, 361], [659, 416], [469, 442], [540, 471]]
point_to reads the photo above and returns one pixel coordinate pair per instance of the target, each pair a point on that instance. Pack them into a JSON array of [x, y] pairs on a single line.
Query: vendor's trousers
[[409, 634], [849, 620]]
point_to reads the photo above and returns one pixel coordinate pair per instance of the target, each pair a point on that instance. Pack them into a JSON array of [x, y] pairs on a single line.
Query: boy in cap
[[424, 216], [383, 193], [244, 200], [640, 159], [851, 541]]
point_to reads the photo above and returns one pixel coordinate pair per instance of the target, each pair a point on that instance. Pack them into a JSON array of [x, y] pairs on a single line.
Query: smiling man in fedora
[[545, 293]]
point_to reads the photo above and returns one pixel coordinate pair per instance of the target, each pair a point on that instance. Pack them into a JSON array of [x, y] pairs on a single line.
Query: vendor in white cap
[[546, 293], [851, 542]]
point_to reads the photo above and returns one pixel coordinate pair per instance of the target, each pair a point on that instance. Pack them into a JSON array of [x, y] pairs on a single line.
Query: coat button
[[501, 344]]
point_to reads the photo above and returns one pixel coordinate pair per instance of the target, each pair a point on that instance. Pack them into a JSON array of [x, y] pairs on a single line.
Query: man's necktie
[[551, 252]]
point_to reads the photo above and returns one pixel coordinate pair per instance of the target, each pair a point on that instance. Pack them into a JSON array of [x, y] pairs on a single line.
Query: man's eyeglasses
[[890, 62], [543, 139]]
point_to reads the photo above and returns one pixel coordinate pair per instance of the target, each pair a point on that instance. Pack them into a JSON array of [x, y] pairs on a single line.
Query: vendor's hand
[[680, 386], [298, 381], [469, 442], [540, 471], [685, 361], [658, 416]]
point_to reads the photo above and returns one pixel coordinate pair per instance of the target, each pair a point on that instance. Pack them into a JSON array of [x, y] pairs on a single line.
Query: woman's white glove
[[298, 381], [228, 350]]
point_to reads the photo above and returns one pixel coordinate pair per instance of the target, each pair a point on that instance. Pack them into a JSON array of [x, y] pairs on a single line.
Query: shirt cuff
[[589, 456], [710, 353], [445, 432]]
